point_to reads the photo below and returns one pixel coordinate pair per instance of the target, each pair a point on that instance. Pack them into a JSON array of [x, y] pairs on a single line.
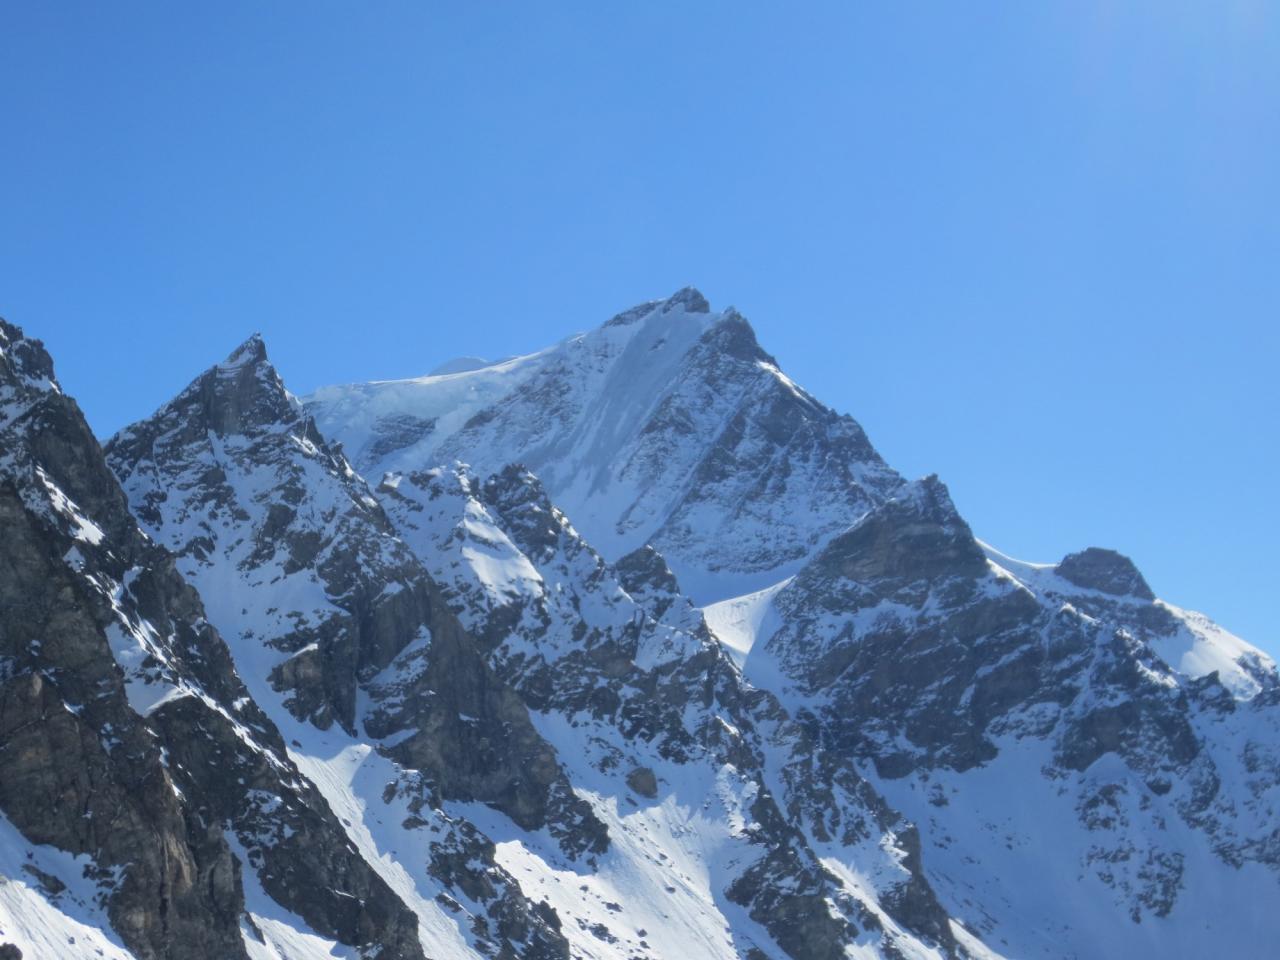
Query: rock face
[[1105, 571], [677, 667], [127, 739]]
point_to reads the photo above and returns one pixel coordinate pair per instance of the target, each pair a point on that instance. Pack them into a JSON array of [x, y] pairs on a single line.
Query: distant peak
[[689, 299], [1104, 570], [24, 358], [241, 393], [252, 351]]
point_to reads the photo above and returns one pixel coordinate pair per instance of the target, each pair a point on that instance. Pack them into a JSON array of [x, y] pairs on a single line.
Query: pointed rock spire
[[253, 351], [243, 391]]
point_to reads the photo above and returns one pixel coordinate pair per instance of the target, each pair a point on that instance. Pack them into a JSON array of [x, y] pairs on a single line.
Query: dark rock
[[689, 299], [643, 782], [1105, 571]]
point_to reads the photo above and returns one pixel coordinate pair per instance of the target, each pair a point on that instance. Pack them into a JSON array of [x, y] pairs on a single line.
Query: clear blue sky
[[1034, 247]]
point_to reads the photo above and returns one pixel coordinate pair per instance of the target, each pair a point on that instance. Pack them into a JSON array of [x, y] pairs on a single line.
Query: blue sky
[[1031, 247]]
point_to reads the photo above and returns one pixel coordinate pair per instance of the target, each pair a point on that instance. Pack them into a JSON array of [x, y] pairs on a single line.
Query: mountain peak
[[690, 299], [1107, 571], [250, 353], [23, 358], [686, 300], [242, 392]]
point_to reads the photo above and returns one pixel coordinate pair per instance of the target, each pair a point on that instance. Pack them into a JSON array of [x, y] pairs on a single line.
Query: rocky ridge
[[911, 647], [344, 638], [128, 741]]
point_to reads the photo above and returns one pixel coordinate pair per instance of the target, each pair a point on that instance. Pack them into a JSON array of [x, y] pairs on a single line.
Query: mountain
[[974, 692], [623, 675], [343, 638], [628, 648], [148, 807], [602, 750], [1026, 716], [667, 426]]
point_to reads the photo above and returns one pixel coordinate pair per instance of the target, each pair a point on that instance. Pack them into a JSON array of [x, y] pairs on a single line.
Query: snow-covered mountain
[[1094, 772], [148, 807], [976, 691], [600, 752], [667, 426], [628, 648], [667, 741], [342, 637]]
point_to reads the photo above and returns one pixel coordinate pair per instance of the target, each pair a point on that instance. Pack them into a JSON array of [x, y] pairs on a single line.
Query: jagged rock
[[632, 667], [939, 661], [120, 712], [1104, 570]]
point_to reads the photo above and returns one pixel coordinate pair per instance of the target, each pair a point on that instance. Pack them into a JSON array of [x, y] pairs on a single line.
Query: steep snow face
[[667, 426], [396, 422], [722, 812], [1026, 715]]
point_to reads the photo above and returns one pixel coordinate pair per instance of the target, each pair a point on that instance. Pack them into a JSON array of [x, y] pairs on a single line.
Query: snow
[[466, 365], [1201, 647], [353, 413], [741, 622], [82, 528], [618, 424], [45, 925], [988, 846], [669, 860], [352, 777]]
